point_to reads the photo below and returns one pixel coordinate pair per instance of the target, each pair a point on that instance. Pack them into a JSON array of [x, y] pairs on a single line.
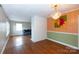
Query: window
[[18, 26]]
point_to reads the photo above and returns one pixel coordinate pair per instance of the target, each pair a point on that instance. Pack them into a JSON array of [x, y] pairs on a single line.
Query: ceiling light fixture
[[56, 14]]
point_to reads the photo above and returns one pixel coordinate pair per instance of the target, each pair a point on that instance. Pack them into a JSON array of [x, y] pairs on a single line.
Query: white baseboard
[[4, 45], [64, 44]]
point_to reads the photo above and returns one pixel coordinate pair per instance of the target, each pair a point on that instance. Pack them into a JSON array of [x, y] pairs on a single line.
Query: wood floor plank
[[24, 45]]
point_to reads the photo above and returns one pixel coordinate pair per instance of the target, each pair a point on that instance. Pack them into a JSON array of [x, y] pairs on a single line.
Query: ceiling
[[24, 12]]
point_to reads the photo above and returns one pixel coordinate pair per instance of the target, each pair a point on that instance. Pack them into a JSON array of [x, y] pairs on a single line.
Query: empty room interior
[[39, 28]]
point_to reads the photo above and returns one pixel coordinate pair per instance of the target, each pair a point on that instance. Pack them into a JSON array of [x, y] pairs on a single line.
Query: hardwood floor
[[24, 45]]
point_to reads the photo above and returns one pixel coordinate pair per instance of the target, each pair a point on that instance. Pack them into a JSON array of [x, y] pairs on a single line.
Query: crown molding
[[70, 10]]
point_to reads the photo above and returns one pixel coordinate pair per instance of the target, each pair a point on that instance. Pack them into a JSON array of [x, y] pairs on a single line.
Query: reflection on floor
[[24, 45]]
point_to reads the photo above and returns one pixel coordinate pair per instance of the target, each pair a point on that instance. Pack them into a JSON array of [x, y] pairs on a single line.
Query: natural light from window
[[18, 26]]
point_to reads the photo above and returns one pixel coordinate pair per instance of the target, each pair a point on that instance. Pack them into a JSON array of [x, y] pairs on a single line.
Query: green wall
[[64, 38]]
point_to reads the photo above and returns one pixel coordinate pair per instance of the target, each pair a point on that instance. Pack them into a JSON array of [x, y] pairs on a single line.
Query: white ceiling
[[24, 12]]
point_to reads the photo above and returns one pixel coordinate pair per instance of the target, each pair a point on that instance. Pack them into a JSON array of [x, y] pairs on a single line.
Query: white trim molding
[[71, 10], [73, 47], [5, 45], [63, 32]]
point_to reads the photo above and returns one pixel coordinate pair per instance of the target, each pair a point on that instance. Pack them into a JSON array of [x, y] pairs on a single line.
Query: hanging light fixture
[[56, 13]]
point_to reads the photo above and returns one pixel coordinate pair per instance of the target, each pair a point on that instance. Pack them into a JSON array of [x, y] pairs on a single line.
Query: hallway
[[24, 45]]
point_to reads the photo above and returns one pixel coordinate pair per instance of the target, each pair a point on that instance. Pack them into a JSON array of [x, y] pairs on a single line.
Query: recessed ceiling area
[[24, 12]]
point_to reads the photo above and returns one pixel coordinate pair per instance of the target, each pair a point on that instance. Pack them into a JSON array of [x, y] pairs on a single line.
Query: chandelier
[[56, 13]]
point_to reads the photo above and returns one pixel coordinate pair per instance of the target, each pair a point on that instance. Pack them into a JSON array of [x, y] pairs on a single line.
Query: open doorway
[[20, 28]]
